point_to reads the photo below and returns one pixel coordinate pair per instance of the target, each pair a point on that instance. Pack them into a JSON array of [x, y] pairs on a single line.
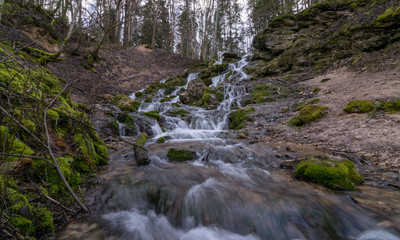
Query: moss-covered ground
[[25, 92]]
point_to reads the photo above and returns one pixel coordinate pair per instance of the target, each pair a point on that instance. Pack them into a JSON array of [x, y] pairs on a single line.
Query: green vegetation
[[161, 140], [267, 93], [308, 114], [391, 106], [142, 139], [302, 104], [153, 114], [239, 118], [359, 106], [78, 149], [181, 112], [125, 103], [340, 175], [180, 155]]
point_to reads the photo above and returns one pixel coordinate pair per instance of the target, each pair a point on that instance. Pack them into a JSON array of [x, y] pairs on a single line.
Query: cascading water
[[233, 191]]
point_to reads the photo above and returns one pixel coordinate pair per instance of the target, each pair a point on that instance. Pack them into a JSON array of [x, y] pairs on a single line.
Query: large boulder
[[193, 93]]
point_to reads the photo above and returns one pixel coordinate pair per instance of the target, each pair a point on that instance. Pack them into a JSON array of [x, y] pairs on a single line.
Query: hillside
[[333, 54]]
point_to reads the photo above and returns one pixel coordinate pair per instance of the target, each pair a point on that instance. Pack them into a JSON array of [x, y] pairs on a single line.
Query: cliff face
[[328, 34]]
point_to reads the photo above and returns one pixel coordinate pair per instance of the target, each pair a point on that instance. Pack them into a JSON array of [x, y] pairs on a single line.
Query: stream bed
[[234, 190]]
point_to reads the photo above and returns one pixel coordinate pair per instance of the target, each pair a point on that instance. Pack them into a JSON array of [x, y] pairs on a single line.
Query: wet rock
[[141, 156], [181, 155], [193, 93]]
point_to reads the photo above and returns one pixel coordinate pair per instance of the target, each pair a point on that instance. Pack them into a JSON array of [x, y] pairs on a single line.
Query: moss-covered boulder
[[125, 103], [341, 175], [308, 114], [141, 139], [154, 115], [180, 155], [359, 106], [193, 92], [239, 118]]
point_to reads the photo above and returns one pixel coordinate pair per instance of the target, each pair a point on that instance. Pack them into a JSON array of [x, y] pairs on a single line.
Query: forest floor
[[120, 71]]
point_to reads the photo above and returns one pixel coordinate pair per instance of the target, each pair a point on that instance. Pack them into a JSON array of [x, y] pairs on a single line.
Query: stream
[[234, 190]]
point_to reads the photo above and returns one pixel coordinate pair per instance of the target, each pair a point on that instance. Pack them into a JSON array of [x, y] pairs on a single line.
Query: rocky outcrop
[[193, 93], [324, 35]]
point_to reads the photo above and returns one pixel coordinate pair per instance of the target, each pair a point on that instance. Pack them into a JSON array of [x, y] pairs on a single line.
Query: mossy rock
[[142, 139], [179, 112], [340, 175], [239, 118], [359, 106], [153, 114], [309, 114], [161, 140], [139, 94], [180, 155]]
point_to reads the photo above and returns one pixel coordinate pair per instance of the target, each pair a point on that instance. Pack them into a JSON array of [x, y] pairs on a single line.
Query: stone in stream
[[141, 156], [181, 155]]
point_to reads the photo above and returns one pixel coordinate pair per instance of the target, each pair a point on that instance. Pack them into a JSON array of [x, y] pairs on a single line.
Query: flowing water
[[232, 191]]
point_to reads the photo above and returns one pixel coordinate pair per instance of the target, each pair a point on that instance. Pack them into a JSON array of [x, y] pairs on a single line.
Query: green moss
[[13, 144], [161, 140], [239, 118], [181, 112], [142, 139], [114, 126], [125, 103], [139, 94], [265, 93], [206, 99], [359, 106], [148, 100], [23, 224], [165, 99], [94, 150], [180, 155], [391, 106], [53, 115], [308, 114], [336, 175], [30, 125], [390, 15], [45, 220], [153, 114]]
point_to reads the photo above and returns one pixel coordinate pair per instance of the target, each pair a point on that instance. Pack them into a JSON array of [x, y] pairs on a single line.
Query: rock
[[141, 156], [193, 93], [181, 155]]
